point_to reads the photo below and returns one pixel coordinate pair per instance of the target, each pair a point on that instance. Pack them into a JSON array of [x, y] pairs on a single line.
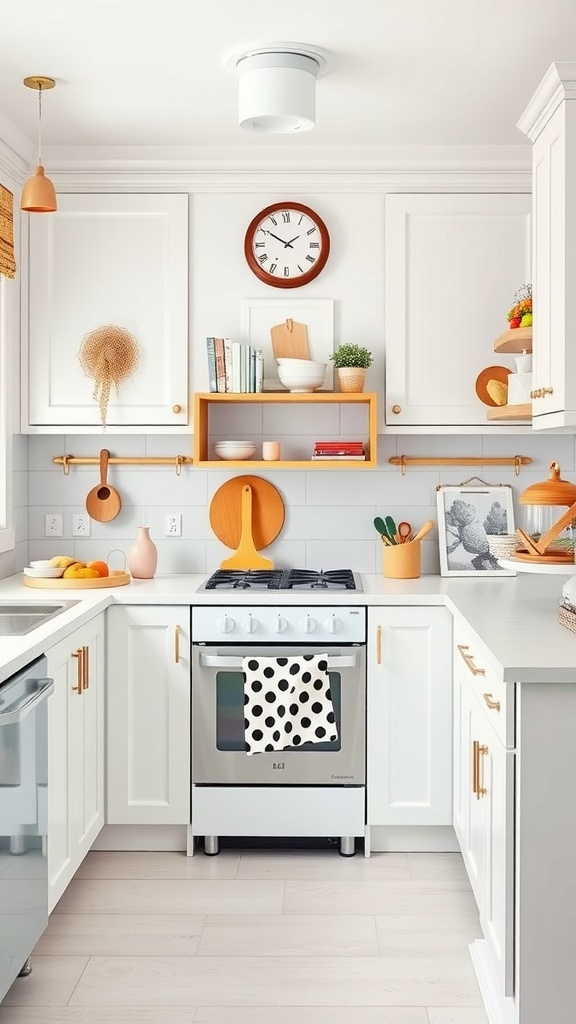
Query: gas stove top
[[322, 580]]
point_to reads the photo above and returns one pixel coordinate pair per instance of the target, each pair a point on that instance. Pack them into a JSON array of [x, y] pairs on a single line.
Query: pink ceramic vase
[[142, 555]]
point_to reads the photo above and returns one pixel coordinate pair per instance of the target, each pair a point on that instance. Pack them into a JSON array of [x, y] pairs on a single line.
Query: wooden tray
[[267, 511], [117, 578]]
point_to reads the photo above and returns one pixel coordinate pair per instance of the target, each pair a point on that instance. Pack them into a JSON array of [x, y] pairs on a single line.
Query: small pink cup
[[271, 451]]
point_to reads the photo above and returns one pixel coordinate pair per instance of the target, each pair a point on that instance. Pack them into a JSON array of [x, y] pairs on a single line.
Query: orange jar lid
[[553, 491]]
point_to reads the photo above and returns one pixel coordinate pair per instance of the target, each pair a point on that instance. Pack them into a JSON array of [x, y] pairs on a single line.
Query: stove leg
[[26, 970], [211, 846], [347, 846]]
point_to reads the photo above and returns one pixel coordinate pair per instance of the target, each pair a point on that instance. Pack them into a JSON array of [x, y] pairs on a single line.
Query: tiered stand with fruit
[[516, 340]]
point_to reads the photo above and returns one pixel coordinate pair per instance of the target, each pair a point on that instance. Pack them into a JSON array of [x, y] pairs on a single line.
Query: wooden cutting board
[[267, 512], [290, 340]]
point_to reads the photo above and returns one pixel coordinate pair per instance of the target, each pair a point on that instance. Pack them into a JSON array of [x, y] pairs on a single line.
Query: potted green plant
[[351, 361]]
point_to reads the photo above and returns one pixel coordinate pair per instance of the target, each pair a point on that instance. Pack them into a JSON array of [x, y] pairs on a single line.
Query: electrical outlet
[[174, 525], [81, 524], [53, 524]]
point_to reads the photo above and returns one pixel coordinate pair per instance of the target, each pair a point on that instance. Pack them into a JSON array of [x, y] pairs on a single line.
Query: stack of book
[[234, 367], [339, 450]]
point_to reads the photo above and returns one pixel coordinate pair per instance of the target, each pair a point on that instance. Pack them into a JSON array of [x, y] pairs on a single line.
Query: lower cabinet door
[[75, 752], [148, 719], [409, 741]]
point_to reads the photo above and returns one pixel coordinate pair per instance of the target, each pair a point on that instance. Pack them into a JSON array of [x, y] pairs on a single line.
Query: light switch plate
[[53, 524], [80, 524], [174, 524]]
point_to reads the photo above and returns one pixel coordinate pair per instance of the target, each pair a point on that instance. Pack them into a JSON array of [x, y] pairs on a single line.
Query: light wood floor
[[256, 937]]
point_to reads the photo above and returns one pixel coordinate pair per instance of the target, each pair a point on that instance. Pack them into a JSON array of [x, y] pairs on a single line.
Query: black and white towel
[[287, 702]]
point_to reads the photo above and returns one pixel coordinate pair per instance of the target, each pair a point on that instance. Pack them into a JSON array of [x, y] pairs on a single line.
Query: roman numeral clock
[[287, 245]]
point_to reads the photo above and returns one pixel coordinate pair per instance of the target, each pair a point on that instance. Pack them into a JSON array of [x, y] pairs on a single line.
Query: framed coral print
[[467, 517]]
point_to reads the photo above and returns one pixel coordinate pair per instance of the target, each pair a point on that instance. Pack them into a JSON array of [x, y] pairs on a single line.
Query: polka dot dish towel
[[287, 702]]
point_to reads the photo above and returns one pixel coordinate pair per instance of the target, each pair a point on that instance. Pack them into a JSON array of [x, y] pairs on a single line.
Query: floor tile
[[377, 897], [310, 1015], [452, 1015], [286, 981], [115, 864], [307, 865], [288, 935], [175, 896], [51, 983], [425, 866], [101, 1015], [121, 934]]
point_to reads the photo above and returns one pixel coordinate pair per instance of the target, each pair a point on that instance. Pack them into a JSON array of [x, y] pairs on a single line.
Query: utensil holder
[[401, 561]]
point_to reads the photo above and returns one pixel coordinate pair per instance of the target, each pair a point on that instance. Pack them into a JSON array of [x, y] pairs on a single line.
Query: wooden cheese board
[[117, 578]]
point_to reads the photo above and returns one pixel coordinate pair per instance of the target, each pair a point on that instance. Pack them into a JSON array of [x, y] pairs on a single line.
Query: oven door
[[218, 750]]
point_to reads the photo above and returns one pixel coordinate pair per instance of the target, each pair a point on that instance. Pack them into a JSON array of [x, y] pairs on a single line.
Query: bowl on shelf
[[301, 376], [232, 450], [44, 572]]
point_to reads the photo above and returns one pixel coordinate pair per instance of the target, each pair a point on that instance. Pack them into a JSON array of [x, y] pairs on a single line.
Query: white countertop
[[514, 617]]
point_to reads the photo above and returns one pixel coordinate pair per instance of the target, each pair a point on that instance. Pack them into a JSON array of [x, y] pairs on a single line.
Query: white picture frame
[[463, 528], [259, 315]]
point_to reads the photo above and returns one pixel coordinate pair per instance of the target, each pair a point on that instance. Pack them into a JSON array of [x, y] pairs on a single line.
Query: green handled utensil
[[382, 529], [391, 529]]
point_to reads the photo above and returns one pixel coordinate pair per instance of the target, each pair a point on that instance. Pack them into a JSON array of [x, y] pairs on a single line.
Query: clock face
[[287, 245]]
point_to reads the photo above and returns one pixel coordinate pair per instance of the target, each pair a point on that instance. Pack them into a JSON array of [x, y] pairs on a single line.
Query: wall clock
[[287, 245]]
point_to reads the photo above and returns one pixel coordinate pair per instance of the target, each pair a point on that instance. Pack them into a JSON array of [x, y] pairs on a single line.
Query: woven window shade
[[7, 261]]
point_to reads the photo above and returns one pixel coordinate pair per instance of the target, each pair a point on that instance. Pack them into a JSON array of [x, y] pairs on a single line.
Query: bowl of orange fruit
[[66, 571]]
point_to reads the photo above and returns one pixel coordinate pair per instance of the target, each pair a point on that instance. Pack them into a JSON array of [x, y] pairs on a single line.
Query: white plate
[[46, 573]]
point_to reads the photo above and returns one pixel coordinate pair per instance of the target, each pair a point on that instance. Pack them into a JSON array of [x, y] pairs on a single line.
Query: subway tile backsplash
[[329, 513]]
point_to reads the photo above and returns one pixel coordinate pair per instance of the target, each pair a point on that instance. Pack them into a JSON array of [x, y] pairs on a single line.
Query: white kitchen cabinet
[[484, 801], [148, 715], [550, 122], [75, 752], [453, 264], [409, 740], [107, 259]]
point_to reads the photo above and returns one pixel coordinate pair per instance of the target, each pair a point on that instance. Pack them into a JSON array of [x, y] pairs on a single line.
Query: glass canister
[[544, 503]]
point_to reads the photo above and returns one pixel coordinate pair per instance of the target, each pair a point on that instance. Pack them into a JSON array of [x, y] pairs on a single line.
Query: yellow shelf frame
[[202, 403]]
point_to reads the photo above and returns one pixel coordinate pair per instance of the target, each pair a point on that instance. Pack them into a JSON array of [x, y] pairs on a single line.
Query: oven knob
[[250, 624], [279, 624], [308, 625], [226, 625], [333, 624]]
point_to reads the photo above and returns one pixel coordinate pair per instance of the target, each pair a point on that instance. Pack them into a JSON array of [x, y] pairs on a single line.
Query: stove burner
[[329, 579], [249, 579]]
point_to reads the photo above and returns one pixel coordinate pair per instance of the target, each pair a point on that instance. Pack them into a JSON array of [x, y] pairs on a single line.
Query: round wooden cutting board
[[267, 511]]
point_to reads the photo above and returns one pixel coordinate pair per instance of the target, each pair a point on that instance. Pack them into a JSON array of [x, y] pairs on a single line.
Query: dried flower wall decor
[[109, 355]]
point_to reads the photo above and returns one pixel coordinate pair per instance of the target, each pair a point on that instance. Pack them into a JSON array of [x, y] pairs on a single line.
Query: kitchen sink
[[20, 617]]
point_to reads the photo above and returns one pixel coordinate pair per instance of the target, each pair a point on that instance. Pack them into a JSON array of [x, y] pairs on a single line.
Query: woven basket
[[567, 618], [351, 378]]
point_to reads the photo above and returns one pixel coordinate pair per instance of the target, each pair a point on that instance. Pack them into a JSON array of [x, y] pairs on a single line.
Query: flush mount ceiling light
[[39, 194], [277, 86]]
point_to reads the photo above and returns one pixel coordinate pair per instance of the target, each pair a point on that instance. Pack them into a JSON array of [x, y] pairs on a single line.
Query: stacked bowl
[[234, 450], [301, 376]]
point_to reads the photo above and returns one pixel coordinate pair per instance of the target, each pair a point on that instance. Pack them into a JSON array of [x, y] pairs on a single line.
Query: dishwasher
[[23, 817]]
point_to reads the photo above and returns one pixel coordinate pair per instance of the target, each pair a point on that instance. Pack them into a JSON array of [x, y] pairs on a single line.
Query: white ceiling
[[406, 72]]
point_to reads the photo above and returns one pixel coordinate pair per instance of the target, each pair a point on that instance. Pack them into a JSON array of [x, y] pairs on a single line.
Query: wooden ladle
[[103, 502], [246, 556]]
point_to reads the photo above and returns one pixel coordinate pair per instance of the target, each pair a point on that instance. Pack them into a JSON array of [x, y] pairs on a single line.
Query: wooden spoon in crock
[[103, 502]]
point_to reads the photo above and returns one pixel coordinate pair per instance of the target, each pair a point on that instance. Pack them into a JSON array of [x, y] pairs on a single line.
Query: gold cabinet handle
[[494, 705], [86, 663], [79, 653], [481, 790], [176, 644], [176, 409], [469, 659], [547, 391], [396, 409], [475, 746], [378, 645]]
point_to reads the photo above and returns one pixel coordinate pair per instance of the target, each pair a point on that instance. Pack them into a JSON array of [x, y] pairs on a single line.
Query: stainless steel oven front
[[218, 742]]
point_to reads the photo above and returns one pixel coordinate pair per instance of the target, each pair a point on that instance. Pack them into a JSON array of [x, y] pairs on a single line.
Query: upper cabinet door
[[453, 263], [109, 259]]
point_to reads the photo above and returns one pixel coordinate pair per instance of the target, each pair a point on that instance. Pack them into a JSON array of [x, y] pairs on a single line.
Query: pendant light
[[39, 194], [277, 86]]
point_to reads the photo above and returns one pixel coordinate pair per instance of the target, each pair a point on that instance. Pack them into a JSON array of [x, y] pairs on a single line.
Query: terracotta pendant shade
[[553, 491], [38, 194]]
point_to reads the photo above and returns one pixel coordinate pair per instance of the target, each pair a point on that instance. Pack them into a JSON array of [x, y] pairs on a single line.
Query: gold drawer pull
[[481, 790], [475, 746], [469, 659], [547, 391], [378, 645], [494, 705], [85, 674], [176, 644], [79, 653]]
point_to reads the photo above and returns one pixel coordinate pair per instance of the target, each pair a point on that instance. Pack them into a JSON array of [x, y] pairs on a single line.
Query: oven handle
[[13, 717], [215, 661]]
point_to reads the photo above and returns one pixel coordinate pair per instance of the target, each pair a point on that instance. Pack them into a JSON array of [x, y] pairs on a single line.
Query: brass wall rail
[[170, 460], [408, 460]]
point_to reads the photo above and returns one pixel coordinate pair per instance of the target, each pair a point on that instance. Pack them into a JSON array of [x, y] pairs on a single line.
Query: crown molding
[[557, 85]]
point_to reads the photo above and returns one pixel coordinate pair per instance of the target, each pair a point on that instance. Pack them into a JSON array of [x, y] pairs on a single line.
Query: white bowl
[[42, 563], [235, 450], [302, 380], [46, 573], [302, 364]]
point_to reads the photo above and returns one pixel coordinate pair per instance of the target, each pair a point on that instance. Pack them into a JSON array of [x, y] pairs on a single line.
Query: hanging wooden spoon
[[103, 502]]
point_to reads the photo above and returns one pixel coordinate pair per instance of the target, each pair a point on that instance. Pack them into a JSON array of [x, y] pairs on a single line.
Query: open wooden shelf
[[203, 402], [510, 412], [517, 340]]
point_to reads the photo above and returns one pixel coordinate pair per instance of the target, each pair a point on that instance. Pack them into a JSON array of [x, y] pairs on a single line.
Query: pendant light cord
[[39, 124]]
